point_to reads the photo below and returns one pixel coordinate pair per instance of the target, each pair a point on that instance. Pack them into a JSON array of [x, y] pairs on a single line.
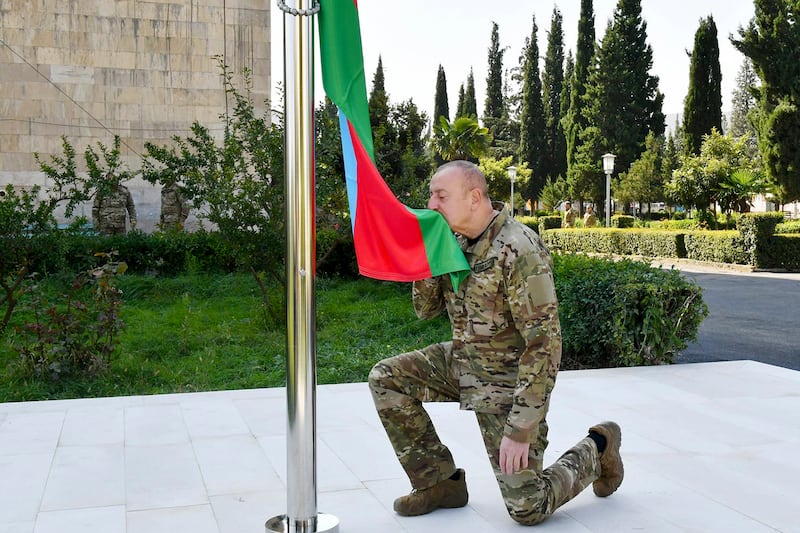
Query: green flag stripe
[[343, 65]]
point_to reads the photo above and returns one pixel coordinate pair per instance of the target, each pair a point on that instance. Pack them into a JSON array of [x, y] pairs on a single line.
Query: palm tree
[[737, 189], [464, 138]]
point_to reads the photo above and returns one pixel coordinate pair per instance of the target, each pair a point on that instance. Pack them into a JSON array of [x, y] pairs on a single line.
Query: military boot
[[449, 493], [611, 471]]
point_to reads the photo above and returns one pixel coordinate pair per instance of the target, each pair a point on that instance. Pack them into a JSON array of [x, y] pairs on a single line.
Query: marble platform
[[710, 447]]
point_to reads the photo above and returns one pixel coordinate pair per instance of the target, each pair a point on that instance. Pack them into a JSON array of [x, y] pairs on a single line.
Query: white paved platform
[[711, 447]]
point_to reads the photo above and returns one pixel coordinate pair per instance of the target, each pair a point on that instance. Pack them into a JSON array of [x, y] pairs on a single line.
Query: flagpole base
[[326, 523]]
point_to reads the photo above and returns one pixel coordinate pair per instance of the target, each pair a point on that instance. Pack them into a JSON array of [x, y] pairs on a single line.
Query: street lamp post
[[512, 175], [608, 168]]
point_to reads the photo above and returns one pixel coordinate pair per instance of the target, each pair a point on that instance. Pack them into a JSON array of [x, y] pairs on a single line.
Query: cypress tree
[[574, 120], [532, 122], [460, 105], [440, 105], [470, 103], [554, 162], [622, 101], [493, 109], [566, 94], [743, 100], [387, 153], [771, 41], [378, 99], [702, 108]]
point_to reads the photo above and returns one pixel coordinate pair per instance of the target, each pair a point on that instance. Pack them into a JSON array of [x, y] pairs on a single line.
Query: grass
[[201, 333]]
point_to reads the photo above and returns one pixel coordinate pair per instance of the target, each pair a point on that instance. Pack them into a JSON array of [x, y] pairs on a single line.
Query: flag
[[392, 241]]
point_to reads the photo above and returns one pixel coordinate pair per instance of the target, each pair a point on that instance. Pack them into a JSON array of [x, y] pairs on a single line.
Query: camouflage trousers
[[400, 384]]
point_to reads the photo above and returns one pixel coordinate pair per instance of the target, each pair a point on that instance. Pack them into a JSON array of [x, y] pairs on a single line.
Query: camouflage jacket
[[506, 334], [174, 208], [569, 219], [112, 209]]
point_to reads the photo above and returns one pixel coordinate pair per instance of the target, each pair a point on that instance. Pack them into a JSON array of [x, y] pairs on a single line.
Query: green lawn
[[200, 333]]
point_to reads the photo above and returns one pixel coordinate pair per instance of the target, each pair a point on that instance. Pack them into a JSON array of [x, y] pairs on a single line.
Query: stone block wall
[[141, 69]]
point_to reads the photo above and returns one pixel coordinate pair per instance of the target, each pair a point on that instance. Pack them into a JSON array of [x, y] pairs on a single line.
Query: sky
[[414, 37]]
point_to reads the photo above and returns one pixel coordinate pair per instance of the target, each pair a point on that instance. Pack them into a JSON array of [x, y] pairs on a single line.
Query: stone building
[[141, 69]]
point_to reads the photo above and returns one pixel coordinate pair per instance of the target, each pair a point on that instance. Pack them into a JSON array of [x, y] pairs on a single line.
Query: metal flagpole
[[301, 456]]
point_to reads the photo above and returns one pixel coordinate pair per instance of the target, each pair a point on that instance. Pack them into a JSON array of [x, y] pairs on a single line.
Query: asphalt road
[[751, 316]]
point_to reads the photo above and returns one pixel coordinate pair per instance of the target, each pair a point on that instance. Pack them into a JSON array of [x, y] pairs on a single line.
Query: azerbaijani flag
[[393, 242]]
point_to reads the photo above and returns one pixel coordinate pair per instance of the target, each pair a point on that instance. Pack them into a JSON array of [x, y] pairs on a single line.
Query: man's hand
[[513, 455]]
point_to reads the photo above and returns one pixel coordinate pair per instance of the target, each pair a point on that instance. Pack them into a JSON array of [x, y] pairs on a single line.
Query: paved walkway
[[708, 447]]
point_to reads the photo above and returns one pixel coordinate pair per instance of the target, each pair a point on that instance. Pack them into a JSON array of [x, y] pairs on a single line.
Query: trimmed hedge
[[756, 228], [726, 246], [622, 221], [790, 226], [169, 253], [644, 242], [531, 222], [623, 313], [549, 222], [753, 244], [783, 252]]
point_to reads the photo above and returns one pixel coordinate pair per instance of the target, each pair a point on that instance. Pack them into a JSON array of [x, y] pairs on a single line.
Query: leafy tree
[[440, 106], [743, 100], [771, 41], [670, 159], [644, 181], [553, 192], [554, 161], [463, 139], [532, 120], [498, 182], [411, 182], [697, 182], [702, 109], [622, 100], [574, 121], [236, 183], [330, 189], [29, 237]]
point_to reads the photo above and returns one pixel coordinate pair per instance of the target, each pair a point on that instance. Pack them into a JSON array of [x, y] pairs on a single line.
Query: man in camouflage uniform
[[110, 210], [569, 216], [174, 208], [501, 363], [589, 219]]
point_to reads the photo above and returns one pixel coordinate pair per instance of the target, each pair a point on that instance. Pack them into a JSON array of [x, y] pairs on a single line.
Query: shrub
[[531, 222], [679, 224], [549, 222], [336, 253], [790, 226], [622, 221], [78, 335], [623, 313]]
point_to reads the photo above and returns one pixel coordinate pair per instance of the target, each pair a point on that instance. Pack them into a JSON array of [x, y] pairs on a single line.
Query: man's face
[[451, 199]]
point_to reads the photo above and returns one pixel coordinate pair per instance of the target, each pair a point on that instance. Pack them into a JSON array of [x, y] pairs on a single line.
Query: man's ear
[[475, 198]]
